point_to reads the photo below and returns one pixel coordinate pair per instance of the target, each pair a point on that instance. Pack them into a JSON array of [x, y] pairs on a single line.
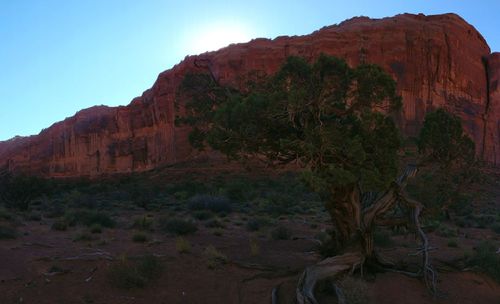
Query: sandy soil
[[25, 264]]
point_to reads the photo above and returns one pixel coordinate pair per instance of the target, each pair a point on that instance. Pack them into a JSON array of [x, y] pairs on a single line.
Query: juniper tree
[[332, 120]]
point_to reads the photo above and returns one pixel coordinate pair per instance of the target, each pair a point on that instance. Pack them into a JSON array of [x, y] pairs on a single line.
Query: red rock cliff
[[438, 61], [491, 149]]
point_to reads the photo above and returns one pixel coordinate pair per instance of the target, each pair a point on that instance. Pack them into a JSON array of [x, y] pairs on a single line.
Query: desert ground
[[172, 237]]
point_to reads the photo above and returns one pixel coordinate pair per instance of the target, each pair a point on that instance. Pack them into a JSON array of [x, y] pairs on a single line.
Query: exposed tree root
[[355, 214], [274, 294], [340, 294], [328, 268], [427, 271]]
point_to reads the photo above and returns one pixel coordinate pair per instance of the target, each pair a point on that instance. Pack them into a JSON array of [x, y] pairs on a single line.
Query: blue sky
[[60, 56]]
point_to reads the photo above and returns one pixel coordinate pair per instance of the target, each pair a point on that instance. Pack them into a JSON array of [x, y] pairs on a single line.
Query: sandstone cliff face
[[491, 149], [438, 61]]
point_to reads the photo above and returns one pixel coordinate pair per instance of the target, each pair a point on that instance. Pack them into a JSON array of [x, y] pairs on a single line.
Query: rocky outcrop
[[491, 148], [438, 61]]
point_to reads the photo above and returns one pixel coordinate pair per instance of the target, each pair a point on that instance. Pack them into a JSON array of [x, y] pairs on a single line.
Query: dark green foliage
[[7, 232], [18, 191], [177, 226], [277, 203], [34, 216], [318, 114], [452, 243], [202, 215], [95, 228], [255, 224], [139, 237], [214, 257], [55, 269], [60, 225], [496, 228], [53, 208], [486, 259], [484, 220], [185, 189], [89, 218], [441, 191], [214, 223], [446, 231], [137, 273], [5, 215], [216, 204], [281, 233], [83, 237], [238, 190], [442, 139], [77, 199], [143, 223]]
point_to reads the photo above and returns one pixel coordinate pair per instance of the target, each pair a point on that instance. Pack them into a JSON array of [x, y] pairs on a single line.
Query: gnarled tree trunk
[[353, 227]]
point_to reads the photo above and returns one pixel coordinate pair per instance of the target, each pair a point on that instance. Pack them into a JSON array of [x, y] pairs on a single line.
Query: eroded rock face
[[491, 149], [438, 61]]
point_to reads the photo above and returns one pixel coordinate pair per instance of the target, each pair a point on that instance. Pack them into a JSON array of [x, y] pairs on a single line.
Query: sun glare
[[218, 36]]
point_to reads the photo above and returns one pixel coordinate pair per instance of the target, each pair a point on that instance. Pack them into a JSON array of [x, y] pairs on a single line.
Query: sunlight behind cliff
[[216, 36]]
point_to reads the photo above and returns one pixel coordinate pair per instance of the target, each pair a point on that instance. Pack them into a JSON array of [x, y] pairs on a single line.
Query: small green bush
[[217, 204], [218, 232], [96, 228], [186, 189], [53, 209], [214, 223], [486, 259], [182, 245], [257, 223], [452, 243], [34, 216], [277, 204], [446, 231], [238, 190], [254, 247], [138, 273], [496, 228], [281, 233], [203, 215], [55, 269], [177, 226], [83, 237], [214, 257], [139, 237], [143, 223], [485, 221], [89, 218], [60, 225], [181, 195], [7, 232], [5, 215], [430, 225]]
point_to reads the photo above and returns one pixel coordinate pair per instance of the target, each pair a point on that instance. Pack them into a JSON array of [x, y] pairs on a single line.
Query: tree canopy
[[443, 139], [326, 116], [334, 121]]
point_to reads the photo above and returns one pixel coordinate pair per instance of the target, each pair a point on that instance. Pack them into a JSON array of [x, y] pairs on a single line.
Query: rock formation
[[438, 61], [491, 142]]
